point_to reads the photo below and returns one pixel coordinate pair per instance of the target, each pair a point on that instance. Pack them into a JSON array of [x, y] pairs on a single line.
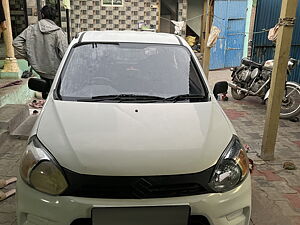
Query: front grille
[[122, 187], [82, 221], [198, 220], [193, 220]]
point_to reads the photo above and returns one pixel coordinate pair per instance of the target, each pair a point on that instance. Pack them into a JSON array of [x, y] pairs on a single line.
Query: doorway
[[168, 12], [53, 3], [228, 51], [18, 14]]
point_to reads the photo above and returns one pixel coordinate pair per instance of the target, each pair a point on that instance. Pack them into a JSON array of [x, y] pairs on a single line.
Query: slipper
[[5, 195], [37, 104], [4, 183]]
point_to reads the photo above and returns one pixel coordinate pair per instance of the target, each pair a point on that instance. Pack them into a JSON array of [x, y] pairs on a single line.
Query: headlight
[[232, 168], [292, 63], [40, 170]]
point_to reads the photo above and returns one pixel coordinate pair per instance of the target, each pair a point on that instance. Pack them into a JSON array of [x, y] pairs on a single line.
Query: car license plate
[[156, 215]]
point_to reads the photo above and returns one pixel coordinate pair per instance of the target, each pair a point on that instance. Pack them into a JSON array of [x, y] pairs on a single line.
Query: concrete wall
[[182, 13], [168, 12], [195, 9], [165, 24], [17, 94], [171, 4]]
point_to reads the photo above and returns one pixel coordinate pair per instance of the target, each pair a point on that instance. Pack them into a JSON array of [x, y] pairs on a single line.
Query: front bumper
[[36, 208]]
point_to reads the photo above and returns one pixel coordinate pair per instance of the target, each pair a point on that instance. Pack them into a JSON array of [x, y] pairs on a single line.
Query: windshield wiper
[[143, 98], [121, 97], [177, 98]]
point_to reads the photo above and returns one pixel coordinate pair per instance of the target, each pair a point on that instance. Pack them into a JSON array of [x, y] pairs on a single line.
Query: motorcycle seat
[[256, 65], [248, 62]]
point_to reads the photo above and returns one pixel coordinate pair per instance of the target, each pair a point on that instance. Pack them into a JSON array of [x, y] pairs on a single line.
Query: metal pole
[[68, 25], [38, 5], [25, 12], [10, 63], [282, 52], [203, 35], [59, 12]]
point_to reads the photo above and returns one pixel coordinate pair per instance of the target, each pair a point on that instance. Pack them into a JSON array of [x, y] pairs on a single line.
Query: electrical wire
[[193, 18]]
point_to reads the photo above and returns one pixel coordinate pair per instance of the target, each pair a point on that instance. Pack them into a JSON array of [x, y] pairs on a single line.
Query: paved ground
[[10, 153], [276, 192]]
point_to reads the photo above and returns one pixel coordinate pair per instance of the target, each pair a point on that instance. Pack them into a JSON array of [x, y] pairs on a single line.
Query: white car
[[131, 134]]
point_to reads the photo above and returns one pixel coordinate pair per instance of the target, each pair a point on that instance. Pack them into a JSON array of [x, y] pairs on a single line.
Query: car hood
[[120, 139]]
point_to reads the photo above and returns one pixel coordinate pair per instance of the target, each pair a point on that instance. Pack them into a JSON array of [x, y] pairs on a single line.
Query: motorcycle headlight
[[231, 169], [40, 170], [292, 63]]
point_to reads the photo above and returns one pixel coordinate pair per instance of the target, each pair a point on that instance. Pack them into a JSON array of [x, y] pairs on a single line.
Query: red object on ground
[[16, 82], [234, 114]]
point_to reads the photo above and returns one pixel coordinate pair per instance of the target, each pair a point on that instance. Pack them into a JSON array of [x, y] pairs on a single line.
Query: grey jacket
[[43, 45]]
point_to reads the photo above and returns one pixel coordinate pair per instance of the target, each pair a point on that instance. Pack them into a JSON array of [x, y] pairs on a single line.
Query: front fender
[[295, 84], [287, 83]]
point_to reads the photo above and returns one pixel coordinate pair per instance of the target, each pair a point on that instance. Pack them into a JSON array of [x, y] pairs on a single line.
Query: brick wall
[[32, 11], [91, 15]]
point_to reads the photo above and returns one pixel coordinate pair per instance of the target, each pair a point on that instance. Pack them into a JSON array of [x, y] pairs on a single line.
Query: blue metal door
[[230, 18], [267, 15]]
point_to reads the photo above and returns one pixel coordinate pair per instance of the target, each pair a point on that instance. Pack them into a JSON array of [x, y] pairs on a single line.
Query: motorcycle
[[254, 79]]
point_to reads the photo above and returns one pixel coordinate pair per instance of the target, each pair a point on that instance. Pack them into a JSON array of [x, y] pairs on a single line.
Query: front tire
[[290, 106], [237, 94]]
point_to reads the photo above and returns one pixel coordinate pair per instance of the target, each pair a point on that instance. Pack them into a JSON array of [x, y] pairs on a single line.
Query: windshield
[[129, 69]]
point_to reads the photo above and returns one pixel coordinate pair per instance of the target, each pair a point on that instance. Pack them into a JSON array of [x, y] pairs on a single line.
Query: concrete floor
[[275, 192], [10, 153]]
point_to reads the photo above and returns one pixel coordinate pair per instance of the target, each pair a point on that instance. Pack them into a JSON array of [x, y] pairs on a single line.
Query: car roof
[[129, 36]]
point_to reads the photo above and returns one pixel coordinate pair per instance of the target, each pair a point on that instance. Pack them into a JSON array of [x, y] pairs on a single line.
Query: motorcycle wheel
[[290, 106], [237, 94]]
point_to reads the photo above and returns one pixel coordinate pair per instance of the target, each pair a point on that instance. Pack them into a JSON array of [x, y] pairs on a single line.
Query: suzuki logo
[[142, 188]]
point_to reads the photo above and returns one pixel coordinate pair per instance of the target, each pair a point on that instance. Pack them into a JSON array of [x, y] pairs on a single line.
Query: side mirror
[[220, 88], [39, 85]]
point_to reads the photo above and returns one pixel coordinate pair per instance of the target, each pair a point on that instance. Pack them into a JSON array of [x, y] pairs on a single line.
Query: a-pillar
[[11, 68]]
